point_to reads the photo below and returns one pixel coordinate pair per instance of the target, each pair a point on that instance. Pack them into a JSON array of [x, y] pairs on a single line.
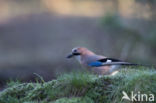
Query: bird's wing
[[108, 61], [104, 60], [101, 61], [95, 64], [93, 60]]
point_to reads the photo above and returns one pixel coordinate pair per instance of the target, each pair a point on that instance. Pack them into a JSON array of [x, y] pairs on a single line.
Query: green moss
[[83, 87], [143, 81], [74, 100]]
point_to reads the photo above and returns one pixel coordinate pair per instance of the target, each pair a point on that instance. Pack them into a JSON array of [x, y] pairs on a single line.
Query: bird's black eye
[[75, 50]]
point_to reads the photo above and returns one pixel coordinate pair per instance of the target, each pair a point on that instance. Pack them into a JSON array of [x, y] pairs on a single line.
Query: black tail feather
[[127, 64]]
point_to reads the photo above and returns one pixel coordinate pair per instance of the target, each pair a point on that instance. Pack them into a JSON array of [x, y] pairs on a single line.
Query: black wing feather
[[112, 59]]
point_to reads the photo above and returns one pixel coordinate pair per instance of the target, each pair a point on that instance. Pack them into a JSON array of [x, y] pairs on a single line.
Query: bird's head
[[79, 51]]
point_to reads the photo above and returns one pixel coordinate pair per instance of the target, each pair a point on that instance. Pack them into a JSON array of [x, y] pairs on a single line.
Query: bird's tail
[[127, 64]]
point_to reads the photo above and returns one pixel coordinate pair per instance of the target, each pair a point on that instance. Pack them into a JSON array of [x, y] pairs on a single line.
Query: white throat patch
[[78, 57]]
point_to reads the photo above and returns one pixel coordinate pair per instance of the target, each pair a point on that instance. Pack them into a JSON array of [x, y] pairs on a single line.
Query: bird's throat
[[78, 58]]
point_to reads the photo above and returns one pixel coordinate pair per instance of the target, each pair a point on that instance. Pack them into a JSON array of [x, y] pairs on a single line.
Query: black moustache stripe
[[76, 53]]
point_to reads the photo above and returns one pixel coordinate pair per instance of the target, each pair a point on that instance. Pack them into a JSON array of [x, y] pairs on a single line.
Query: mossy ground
[[82, 87]]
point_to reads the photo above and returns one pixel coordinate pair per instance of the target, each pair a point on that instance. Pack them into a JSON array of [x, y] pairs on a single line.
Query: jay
[[96, 63]]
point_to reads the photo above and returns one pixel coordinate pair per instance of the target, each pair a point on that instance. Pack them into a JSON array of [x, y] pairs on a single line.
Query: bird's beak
[[70, 56]]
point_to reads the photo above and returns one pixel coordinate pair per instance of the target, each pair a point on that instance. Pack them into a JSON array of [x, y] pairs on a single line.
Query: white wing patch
[[108, 61]]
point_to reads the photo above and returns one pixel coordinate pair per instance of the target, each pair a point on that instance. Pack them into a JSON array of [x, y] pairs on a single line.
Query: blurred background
[[36, 35]]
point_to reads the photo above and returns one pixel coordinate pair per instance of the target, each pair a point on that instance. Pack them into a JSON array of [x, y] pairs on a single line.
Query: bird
[[98, 64]]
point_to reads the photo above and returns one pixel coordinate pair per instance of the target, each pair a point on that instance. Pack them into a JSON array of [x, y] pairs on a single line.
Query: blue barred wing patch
[[95, 64]]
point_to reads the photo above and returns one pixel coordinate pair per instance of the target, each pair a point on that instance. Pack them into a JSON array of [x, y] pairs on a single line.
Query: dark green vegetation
[[78, 87]]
